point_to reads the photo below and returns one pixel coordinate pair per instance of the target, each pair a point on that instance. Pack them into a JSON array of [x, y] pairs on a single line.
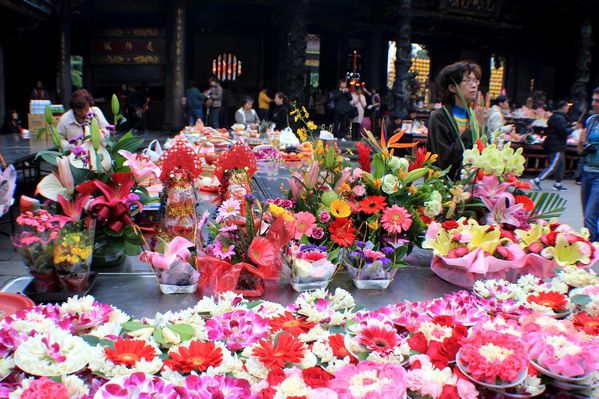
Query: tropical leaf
[[547, 205]]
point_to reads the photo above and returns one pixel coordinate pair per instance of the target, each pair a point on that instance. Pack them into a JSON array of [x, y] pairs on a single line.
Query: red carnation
[[275, 376], [316, 377], [438, 354], [443, 320], [450, 224], [418, 342], [449, 392]]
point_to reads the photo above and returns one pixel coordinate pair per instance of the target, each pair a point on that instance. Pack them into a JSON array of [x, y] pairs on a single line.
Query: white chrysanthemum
[[292, 386], [336, 364], [359, 388], [256, 368], [223, 303], [563, 346], [173, 377], [268, 310], [118, 316], [494, 353], [229, 365], [75, 385], [394, 358], [111, 328], [323, 351], [342, 300], [339, 318], [576, 276], [7, 364], [309, 360], [76, 305], [532, 385], [101, 365], [54, 353], [315, 334], [434, 331]]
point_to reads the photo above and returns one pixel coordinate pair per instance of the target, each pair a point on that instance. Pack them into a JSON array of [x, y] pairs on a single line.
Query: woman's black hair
[[454, 74], [560, 104], [246, 99]]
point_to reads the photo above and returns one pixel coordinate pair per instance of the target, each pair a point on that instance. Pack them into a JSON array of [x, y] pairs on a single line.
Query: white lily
[[58, 183]]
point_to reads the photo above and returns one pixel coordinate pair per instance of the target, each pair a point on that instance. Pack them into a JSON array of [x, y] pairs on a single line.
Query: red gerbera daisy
[[288, 349], [378, 337], [199, 356], [292, 325], [127, 352], [586, 323], [373, 204], [337, 344], [550, 299], [342, 232], [525, 200]]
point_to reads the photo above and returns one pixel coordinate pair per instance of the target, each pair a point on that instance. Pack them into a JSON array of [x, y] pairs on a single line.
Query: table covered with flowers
[[323, 291]]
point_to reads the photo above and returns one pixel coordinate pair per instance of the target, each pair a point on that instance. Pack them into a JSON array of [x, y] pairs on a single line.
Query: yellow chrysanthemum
[[340, 208]]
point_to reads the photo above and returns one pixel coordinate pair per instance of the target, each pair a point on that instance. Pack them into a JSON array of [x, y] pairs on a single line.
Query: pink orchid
[[490, 188], [142, 167], [72, 209], [178, 248]]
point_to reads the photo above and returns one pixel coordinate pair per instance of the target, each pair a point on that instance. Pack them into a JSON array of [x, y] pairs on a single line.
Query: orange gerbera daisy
[[373, 204], [199, 356], [288, 349], [551, 299], [292, 325], [586, 323], [127, 352], [342, 232]]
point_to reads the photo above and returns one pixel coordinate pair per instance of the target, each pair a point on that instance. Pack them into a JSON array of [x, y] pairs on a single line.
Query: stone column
[[296, 54], [580, 88], [400, 92], [64, 60], [175, 81]]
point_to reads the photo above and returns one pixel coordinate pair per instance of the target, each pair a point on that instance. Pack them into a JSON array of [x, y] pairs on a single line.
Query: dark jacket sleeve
[[442, 141]]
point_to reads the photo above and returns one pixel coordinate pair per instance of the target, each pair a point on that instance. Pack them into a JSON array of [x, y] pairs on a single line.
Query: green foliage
[[547, 205]]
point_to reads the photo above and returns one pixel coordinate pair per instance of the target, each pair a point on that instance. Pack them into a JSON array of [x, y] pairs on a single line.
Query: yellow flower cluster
[[277, 211], [71, 250]]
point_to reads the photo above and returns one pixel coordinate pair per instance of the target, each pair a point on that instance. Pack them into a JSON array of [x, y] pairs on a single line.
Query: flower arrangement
[[494, 358], [565, 354], [73, 251], [425, 380], [174, 267], [94, 165], [307, 266], [373, 269], [369, 379], [34, 241], [438, 338]]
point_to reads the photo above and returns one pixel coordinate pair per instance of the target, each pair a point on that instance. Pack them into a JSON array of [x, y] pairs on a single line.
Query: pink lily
[[490, 188], [143, 169], [178, 248], [72, 209], [501, 211]]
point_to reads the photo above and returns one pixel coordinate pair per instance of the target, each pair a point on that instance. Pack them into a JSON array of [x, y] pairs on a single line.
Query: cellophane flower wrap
[[304, 263]]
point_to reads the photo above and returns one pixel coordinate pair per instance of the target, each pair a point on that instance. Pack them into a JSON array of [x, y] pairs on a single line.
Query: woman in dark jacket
[[555, 144], [280, 113], [450, 130]]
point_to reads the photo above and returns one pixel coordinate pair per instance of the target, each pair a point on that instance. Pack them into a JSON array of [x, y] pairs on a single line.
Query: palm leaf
[[547, 206]]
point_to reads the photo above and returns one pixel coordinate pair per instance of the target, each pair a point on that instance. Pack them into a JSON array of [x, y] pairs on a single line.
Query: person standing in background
[[12, 124], [214, 102], [246, 114], [280, 113], [496, 118], [39, 92], [195, 103], [359, 101], [72, 123], [341, 107], [264, 102], [555, 145], [375, 111], [589, 190]]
